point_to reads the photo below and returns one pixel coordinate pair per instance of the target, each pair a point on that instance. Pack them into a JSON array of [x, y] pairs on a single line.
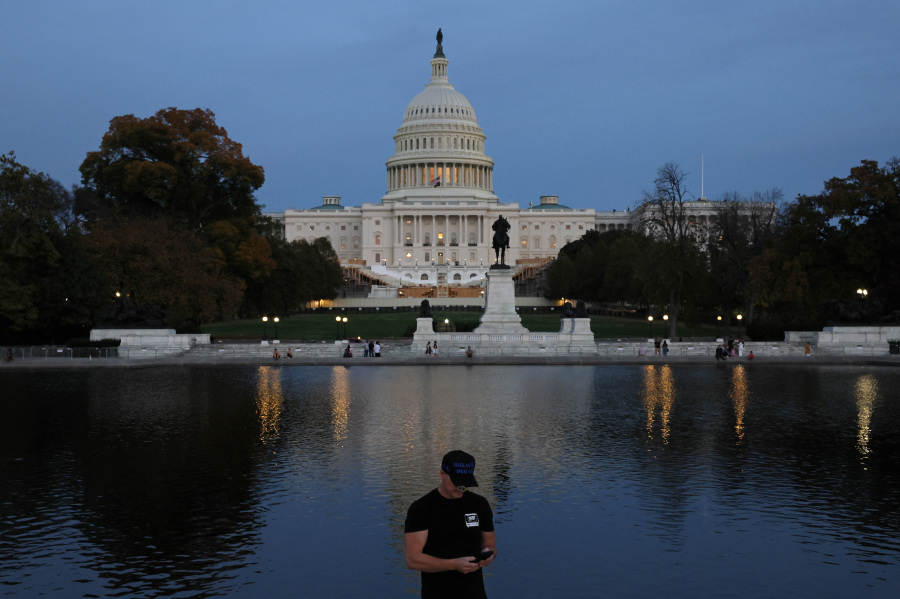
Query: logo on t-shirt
[[471, 520]]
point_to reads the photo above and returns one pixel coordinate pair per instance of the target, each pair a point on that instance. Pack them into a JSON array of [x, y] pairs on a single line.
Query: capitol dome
[[439, 144]]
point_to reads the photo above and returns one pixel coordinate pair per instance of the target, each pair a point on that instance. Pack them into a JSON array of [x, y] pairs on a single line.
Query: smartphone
[[486, 554]]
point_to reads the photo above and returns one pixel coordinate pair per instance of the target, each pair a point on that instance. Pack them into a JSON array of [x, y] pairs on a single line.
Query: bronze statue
[[440, 37], [424, 309], [501, 229]]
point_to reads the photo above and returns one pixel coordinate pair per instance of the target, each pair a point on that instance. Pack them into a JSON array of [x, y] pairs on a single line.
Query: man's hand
[[465, 565]]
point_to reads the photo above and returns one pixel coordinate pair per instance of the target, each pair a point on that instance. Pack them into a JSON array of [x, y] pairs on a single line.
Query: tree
[[176, 164], [741, 230], [829, 245], [666, 218], [305, 272], [153, 262], [47, 280]]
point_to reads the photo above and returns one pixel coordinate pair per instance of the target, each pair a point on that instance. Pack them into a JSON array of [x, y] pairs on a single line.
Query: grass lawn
[[390, 325]]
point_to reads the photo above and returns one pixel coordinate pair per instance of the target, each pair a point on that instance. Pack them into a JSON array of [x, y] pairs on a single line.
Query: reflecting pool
[[606, 481]]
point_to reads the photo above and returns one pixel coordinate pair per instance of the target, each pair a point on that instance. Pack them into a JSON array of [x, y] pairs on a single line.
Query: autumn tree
[[177, 164], [180, 167], [153, 262]]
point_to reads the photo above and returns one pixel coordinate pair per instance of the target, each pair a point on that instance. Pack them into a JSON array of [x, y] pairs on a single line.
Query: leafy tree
[[305, 272], [47, 280], [176, 164], [830, 244]]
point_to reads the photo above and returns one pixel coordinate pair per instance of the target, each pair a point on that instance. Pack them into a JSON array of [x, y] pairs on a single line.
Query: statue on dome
[[440, 37], [501, 229], [439, 51]]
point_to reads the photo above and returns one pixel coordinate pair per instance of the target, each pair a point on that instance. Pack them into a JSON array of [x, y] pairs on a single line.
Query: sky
[[580, 99]]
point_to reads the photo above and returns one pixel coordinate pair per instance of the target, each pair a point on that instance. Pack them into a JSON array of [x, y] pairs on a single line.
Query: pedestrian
[[348, 353], [434, 350], [656, 346], [470, 353], [428, 350], [377, 349], [740, 347], [665, 347], [290, 353], [365, 349], [750, 356], [371, 349], [449, 533], [807, 349], [275, 354], [721, 353]]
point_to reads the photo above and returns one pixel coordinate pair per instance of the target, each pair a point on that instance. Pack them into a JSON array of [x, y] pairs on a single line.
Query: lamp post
[[666, 319], [740, 317], [275, 320], [718, 325], [344, 320], [650, 323], [265, 320], [337, 320], [863, 295]]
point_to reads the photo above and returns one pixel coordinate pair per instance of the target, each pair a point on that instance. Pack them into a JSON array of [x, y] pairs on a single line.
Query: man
[[449, 532]]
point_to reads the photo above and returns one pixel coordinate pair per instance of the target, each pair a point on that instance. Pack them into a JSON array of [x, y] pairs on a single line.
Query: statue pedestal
[[500, 315]]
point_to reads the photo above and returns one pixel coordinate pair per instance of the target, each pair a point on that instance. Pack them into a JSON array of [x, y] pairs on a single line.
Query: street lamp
[[344, 320], [265, 320], [337, 334], [863, 295], [718, 324], [740, 317], [275, 320], [650, 322]]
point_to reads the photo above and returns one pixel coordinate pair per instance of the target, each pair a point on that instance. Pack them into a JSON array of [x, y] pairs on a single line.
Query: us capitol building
[[430, 236]]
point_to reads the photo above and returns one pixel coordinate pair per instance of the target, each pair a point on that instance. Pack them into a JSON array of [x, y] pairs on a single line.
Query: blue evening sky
[[580, 99]]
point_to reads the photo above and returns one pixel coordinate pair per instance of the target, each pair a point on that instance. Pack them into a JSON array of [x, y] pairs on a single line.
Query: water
[[606, 481]]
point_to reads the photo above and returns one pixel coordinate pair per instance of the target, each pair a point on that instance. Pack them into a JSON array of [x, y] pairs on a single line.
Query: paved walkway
[[402, 357]]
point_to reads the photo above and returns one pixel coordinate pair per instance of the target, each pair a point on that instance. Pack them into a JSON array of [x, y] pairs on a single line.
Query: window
[[568, 227], [377, 239], [356, 227], [524, 227], [524, 244], [377, 222], [537, 227], [424, 276], [343, 227], [457, 277], [537, 243], [427, 256]]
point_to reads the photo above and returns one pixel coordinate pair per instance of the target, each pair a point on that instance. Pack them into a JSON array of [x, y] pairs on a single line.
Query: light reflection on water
[[606, 481]]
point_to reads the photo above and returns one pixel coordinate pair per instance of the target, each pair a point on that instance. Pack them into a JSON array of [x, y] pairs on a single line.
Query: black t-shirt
[[454, 530]]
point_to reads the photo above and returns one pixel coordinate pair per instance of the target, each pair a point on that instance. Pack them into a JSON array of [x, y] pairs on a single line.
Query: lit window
[[524, 243], [409, 254], [377, 239]]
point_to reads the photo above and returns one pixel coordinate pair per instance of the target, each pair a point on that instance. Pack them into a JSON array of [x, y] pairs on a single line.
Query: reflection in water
[[340, 401], [228, 482], [659, 396], [740, 391], [865, 392], [269, 402]]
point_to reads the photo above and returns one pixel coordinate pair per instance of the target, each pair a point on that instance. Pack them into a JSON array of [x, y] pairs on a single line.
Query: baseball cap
[[460, 466]]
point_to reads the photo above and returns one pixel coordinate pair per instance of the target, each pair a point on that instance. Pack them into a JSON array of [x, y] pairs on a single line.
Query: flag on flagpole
[[435, 182]]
